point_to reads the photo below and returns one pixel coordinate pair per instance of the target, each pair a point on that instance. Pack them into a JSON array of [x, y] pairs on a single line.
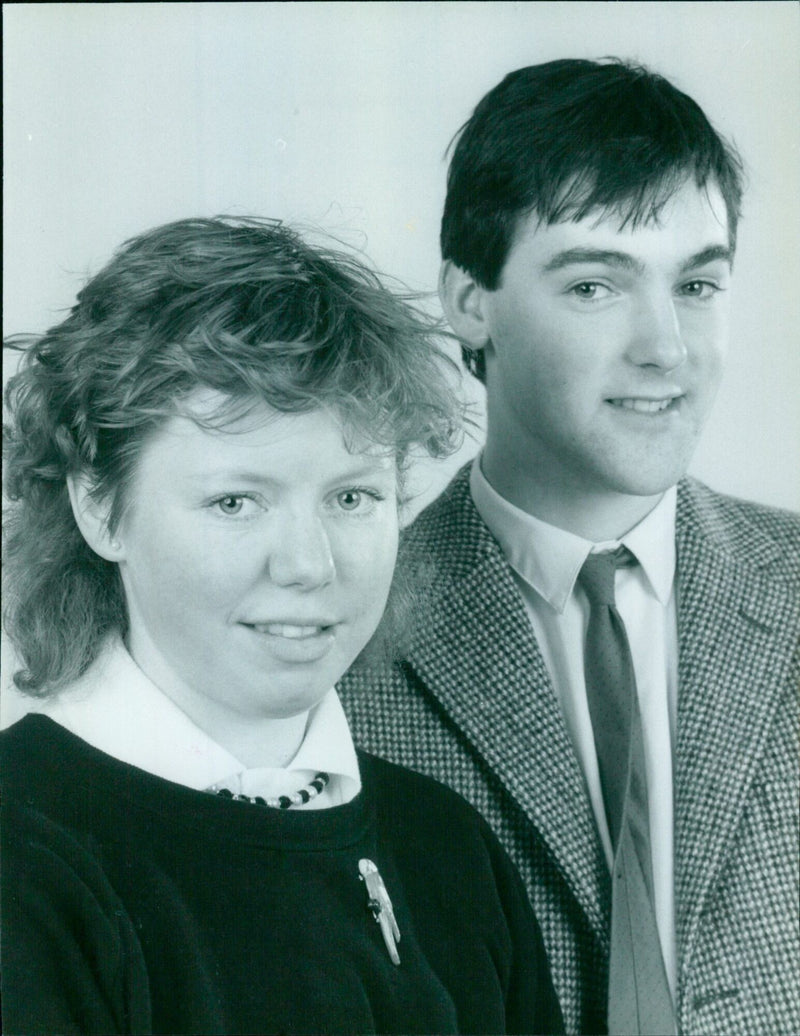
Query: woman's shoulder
[[62, 915], [41, 848], [48, 776], [420, 803], [401, 780], [51, 770], [36, 740], [27, 749]]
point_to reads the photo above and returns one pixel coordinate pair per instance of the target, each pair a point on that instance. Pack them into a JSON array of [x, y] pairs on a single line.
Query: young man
[[633, 743]]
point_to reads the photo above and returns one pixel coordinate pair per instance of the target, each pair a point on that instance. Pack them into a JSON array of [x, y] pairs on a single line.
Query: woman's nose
[[301, 555]]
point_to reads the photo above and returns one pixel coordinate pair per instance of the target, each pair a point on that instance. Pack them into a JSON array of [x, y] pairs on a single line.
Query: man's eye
[[699, 289], [589, 291]]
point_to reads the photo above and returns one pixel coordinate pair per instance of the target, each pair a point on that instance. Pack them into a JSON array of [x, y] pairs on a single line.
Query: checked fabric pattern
[[471, 703]]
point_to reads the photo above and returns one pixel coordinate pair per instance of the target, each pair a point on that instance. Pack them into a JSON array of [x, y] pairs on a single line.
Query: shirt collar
[[116, 708], [549, 559]]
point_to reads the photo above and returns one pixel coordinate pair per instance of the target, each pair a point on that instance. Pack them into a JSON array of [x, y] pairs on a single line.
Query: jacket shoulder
[[449, 538], [756, 534]]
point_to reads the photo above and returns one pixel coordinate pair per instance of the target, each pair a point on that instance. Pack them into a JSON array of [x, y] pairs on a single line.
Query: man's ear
[[91, 517], [463, 301]]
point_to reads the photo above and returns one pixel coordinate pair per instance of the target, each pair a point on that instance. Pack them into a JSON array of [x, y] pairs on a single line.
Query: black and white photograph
[[401, 526]]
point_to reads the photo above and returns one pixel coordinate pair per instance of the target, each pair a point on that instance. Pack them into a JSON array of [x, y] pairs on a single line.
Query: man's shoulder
[[449, 535], [758, 534], [451, 509]]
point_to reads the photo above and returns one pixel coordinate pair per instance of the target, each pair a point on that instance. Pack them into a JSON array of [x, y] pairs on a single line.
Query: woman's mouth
[[290, 631], [293, 642]]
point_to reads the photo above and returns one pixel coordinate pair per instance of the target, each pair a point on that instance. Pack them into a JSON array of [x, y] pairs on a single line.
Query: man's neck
[[593, 515]]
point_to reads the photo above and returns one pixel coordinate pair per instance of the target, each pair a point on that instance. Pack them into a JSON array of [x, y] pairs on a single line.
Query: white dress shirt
[[116, 708], [546, 562]]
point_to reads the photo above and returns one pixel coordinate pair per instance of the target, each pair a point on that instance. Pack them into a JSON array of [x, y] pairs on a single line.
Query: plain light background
[[122, 116]]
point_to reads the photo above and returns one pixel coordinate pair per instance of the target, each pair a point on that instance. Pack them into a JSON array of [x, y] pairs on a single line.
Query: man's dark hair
[[567, 138]]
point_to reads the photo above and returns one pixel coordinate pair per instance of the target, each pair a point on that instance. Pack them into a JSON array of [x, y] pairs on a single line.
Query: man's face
[[605, 349]]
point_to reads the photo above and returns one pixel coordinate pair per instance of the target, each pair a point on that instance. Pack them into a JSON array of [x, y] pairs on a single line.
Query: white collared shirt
[[116, 708], [546, 562]]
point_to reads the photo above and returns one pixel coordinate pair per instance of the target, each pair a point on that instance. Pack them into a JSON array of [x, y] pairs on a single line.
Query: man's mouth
[[644, 406]]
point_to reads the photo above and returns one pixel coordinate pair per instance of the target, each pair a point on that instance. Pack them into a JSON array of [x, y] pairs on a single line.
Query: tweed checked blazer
[[472, 704]]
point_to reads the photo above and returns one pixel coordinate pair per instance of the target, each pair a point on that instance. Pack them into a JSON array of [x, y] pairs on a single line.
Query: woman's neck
[[260, 743]]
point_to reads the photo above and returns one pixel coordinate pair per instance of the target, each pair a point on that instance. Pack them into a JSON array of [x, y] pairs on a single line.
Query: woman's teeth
[[643, 406]]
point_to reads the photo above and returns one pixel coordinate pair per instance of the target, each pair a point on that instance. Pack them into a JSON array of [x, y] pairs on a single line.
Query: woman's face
[[256, 560]]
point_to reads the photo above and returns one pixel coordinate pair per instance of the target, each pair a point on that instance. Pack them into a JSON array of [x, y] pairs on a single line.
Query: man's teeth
[[643, 406], [279, 629]]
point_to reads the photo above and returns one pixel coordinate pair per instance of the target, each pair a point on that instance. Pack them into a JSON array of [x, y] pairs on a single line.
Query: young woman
[[204, 463]]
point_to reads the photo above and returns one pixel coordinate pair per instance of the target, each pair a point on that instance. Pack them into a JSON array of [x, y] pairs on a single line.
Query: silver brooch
[[381, 906]]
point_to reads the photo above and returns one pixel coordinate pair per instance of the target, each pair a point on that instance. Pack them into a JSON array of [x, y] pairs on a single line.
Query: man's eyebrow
[[575, 256], [624, 261], [711, 254]]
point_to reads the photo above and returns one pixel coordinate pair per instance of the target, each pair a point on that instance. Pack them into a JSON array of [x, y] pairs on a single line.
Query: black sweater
[[135, 905]]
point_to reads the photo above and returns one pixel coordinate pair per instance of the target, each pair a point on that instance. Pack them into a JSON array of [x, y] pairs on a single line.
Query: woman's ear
[[463, 301], [91, 517]]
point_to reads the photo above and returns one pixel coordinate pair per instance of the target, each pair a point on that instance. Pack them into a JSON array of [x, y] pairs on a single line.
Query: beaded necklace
[[298, 798]]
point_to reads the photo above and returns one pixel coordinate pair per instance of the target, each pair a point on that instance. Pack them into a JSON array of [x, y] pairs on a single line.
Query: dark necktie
[[639, 1000]]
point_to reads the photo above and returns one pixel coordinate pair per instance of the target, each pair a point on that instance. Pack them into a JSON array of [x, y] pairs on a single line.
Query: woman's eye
[[349, 499], [230, 504]]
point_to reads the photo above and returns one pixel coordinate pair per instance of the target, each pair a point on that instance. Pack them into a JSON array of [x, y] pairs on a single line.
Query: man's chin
[[647, 475]]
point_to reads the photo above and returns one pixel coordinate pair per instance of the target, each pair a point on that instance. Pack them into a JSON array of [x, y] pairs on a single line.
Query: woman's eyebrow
[[232, 473]]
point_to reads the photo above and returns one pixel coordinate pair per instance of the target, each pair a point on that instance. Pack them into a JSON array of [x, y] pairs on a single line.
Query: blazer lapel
[[479, 657], [737, 634]]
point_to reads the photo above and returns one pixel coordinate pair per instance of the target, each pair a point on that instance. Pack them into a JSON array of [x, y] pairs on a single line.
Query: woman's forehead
[[227, 414], [205, 436]]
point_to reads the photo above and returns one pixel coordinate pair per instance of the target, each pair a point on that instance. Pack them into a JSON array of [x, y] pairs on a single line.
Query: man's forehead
[[692, 221]]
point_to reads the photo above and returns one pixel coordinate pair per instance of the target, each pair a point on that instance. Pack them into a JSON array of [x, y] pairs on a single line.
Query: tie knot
[[598, 571]]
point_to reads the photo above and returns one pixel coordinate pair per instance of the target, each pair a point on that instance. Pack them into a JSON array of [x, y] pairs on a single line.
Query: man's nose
[[300, 553], [656, 338]]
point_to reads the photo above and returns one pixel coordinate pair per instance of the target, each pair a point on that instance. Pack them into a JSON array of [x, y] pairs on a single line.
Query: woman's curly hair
[[242, 306]]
